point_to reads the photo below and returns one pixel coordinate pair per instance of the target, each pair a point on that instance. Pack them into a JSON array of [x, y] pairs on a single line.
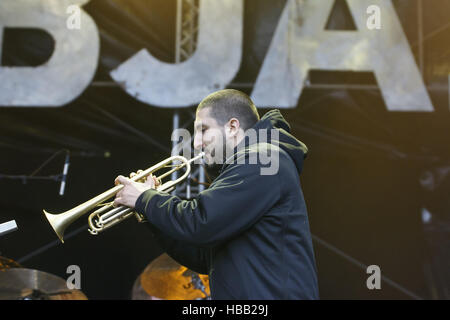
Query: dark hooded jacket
[[248, 231]]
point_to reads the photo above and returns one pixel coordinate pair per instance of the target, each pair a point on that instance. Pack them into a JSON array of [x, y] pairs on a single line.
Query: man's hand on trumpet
[[132, 189]]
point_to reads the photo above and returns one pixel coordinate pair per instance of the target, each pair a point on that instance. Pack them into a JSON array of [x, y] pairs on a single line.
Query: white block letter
[[301, 43], [72, 65], [213, 65]]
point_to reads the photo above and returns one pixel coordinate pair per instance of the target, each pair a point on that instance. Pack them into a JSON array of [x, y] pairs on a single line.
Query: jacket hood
[[273, 119]]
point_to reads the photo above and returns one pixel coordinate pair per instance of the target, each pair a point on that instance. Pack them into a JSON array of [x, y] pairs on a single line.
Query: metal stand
[[186, 42]]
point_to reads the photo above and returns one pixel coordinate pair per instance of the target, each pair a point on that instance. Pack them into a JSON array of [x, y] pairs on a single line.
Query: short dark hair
[[229, 103]]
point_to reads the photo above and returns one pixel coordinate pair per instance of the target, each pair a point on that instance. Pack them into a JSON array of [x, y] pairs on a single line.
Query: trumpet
[[107, 216]]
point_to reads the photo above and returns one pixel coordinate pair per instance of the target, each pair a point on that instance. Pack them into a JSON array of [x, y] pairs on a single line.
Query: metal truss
[[185, 45], [187, 29]]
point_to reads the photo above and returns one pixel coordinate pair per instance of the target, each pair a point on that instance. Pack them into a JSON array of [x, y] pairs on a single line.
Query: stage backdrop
[[367, 94]]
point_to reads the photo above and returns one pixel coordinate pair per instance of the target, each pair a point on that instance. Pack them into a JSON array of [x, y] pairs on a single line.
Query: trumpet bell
[[57, 224]]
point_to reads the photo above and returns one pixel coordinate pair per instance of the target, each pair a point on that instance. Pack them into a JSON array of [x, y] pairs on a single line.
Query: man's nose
[[198, 142]]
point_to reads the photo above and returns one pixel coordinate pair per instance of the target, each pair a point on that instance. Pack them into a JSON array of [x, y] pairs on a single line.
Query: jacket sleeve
[[234, 202], [192, 257]]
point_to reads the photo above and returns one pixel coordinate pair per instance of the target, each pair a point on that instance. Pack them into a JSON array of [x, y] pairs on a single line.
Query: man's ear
[[233, 126]]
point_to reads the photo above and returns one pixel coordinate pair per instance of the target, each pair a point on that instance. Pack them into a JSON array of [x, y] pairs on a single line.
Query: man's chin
[[213, 166], [211, 161]]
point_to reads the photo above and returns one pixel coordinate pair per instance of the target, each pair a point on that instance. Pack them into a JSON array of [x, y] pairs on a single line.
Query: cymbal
[[138, 293], [166, 279], [28, 284], [6, 263]]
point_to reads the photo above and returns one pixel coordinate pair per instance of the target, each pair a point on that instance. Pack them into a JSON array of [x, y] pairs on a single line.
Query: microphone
[[64, 175]]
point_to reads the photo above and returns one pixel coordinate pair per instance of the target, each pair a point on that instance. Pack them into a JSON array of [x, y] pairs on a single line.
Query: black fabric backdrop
[[361, 180]]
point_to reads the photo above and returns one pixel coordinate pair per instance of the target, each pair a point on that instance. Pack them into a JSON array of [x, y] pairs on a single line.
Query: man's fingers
[[117, 202], [136, 173], [148, 181], [156, 181], [122, 180], [151, 180]]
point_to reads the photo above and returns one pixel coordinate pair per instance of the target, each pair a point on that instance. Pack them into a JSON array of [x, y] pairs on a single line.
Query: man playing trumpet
[[249, 230]]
